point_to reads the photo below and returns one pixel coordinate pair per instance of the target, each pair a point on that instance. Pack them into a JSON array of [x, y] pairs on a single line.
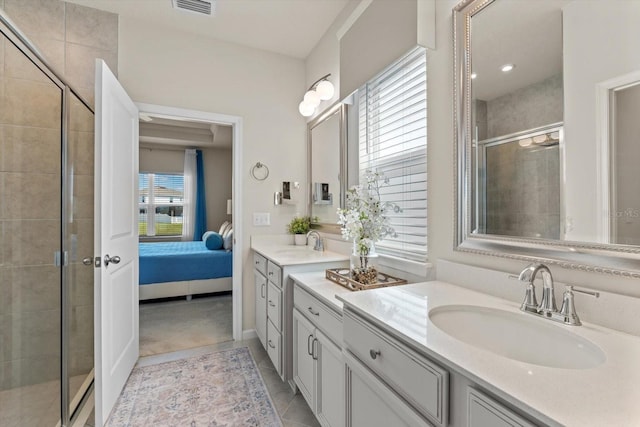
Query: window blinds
[[393, 141]]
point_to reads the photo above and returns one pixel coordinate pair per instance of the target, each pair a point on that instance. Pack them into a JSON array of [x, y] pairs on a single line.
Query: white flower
[[364, 220]]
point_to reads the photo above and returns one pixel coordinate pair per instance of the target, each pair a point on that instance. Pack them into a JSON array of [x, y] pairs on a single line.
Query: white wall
[[166, 67], [600, 43]]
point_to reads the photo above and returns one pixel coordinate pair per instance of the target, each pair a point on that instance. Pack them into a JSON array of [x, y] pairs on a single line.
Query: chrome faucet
[[547, 307], [548, 303], [319, 246]]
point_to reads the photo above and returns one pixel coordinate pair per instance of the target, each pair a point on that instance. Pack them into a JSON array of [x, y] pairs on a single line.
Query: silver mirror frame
[[619, 260], [341, 109]]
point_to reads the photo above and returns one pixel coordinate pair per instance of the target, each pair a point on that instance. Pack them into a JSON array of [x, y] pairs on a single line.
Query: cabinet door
[[330, 383], [373, 403], [261, 307], [304, 352], [486, 412]]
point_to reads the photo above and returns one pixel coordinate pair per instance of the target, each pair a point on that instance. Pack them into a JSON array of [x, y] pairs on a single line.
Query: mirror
[[327, 166], [546, 139]]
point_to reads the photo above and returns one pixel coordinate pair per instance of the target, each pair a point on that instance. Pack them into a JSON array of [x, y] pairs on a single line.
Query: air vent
[[201, 7]]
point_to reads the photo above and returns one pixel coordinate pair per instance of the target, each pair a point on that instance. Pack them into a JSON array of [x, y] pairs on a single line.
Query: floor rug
[[216, 389]]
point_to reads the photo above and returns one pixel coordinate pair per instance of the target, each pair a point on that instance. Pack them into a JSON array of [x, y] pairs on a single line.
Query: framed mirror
[[327, 165], [545, 95]]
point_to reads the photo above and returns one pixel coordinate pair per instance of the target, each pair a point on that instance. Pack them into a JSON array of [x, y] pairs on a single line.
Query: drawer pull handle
[[315, 313], [271, 273], [271, 344], [262, 295], [271, 303], [374, 353], [257, 262], [309, 345], [314, 349]]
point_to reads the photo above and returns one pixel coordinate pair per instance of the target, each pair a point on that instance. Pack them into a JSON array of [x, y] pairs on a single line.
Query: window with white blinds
[[393, 141], [162, 195]]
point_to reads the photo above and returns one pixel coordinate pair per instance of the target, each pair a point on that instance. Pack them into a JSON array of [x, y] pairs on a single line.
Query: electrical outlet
[[261, 219]]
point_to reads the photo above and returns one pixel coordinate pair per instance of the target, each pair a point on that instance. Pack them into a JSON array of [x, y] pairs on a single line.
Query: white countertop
[[607, 395], [324, 289], [283, 254]]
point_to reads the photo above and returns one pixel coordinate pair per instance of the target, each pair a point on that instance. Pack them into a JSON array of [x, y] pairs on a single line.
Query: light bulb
[[312, 98], [306, 109], [325, 90], [525, 142], [539, 139], [507, 67]]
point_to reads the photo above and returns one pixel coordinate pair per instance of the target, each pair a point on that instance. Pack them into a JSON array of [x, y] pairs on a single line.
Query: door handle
[[108, 260], [87, 260]]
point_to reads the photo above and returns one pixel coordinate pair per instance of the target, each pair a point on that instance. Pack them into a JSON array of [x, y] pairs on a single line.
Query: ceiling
[[288, 27], [183, 133]]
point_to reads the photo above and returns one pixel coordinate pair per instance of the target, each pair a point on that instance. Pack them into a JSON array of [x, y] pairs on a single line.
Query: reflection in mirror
[[326, 158], [546, 162]]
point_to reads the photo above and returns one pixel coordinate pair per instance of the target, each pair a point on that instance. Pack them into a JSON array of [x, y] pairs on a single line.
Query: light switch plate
[[261, 219]]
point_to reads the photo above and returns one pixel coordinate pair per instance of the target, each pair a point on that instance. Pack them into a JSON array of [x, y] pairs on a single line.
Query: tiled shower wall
[[70, 37]]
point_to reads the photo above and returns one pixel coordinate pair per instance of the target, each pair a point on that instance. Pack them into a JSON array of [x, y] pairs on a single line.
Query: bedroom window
[[163, 195], [392, 132]]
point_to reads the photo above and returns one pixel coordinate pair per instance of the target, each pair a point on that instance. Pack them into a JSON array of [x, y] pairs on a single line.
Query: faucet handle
[[568, 311], [530, 303]]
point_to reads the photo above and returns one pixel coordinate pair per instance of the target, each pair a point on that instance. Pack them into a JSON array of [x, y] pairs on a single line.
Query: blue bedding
[[178, 261]]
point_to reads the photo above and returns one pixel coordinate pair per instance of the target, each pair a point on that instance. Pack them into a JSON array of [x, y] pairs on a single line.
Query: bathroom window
[[392, 132], [162, 194]]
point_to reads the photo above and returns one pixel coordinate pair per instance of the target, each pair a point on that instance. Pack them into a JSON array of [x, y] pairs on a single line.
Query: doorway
[[218, 123]]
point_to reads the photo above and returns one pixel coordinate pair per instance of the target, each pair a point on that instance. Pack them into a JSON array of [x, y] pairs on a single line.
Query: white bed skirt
[[185, 288]]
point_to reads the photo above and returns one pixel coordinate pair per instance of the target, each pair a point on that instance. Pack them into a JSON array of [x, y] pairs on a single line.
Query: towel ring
[[256, 174]]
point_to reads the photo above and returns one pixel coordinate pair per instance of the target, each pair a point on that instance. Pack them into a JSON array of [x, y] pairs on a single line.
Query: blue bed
[[183, 268]]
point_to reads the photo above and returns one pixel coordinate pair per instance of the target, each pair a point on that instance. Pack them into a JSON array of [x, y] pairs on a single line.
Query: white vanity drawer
[[322, 317], [274, 302], [418, 380], [483, 411], [274, 273], [260, 263], [274, 347]]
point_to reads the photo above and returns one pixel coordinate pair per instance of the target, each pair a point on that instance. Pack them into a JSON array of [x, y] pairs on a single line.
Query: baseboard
[[248, 334]]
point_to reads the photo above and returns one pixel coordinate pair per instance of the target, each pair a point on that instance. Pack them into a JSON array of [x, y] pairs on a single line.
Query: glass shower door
[[30, 237], [78, 244]]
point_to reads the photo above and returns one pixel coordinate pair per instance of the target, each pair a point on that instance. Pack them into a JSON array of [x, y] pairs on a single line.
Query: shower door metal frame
[[22, 42]]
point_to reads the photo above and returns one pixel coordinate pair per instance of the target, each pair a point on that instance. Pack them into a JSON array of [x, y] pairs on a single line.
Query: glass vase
[[363, 264]]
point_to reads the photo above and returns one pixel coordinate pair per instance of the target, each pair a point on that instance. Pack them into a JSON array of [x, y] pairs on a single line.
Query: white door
[[116, 240]]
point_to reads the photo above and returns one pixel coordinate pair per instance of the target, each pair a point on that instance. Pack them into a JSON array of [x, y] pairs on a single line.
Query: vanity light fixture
[[474, 75], [507, 67], [539, 139], [321, 90]]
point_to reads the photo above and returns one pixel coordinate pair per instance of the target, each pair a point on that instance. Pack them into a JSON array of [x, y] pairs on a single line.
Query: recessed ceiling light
[[474, 75], [507, 67]]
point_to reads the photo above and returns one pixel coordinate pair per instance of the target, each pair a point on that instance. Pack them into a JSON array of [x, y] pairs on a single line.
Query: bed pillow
[[228, 240], [225, 225], [213, 241], [206, 234]]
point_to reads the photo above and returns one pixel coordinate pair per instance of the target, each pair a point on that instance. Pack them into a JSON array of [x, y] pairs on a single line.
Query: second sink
[[517, 336]]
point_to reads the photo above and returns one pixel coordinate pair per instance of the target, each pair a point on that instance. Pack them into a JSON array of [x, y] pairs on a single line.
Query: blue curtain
[[200, 225]]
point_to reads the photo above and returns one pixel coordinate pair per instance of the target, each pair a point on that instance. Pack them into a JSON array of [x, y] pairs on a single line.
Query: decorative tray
[[341, 277]]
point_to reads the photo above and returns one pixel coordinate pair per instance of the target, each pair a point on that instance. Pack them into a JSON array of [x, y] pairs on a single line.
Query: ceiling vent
[[201, 7]]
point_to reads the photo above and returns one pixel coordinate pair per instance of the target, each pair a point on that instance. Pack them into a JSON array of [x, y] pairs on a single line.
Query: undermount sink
[[517, 336]]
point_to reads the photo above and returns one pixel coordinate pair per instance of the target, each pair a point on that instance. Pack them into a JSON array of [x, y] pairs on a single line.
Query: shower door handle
[[111, 260]]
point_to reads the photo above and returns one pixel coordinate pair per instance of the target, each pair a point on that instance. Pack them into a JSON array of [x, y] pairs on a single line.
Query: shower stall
[[47, 233]]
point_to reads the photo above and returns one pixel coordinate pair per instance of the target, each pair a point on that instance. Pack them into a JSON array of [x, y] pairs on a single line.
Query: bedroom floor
[[172, 325]]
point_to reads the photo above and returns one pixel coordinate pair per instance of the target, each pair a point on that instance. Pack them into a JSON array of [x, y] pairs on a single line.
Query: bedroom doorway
[[203, 307]]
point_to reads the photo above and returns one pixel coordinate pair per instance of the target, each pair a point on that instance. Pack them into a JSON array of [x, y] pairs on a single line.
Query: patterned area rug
[[216, 389]]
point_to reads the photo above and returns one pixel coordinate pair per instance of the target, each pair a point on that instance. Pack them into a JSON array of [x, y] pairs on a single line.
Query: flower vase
[[299, 239], [364, 264]]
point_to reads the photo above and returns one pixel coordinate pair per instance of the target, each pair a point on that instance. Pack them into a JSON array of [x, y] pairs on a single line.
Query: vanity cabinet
[[318, 365], [260, 279], [409, 388], [274, 299]]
